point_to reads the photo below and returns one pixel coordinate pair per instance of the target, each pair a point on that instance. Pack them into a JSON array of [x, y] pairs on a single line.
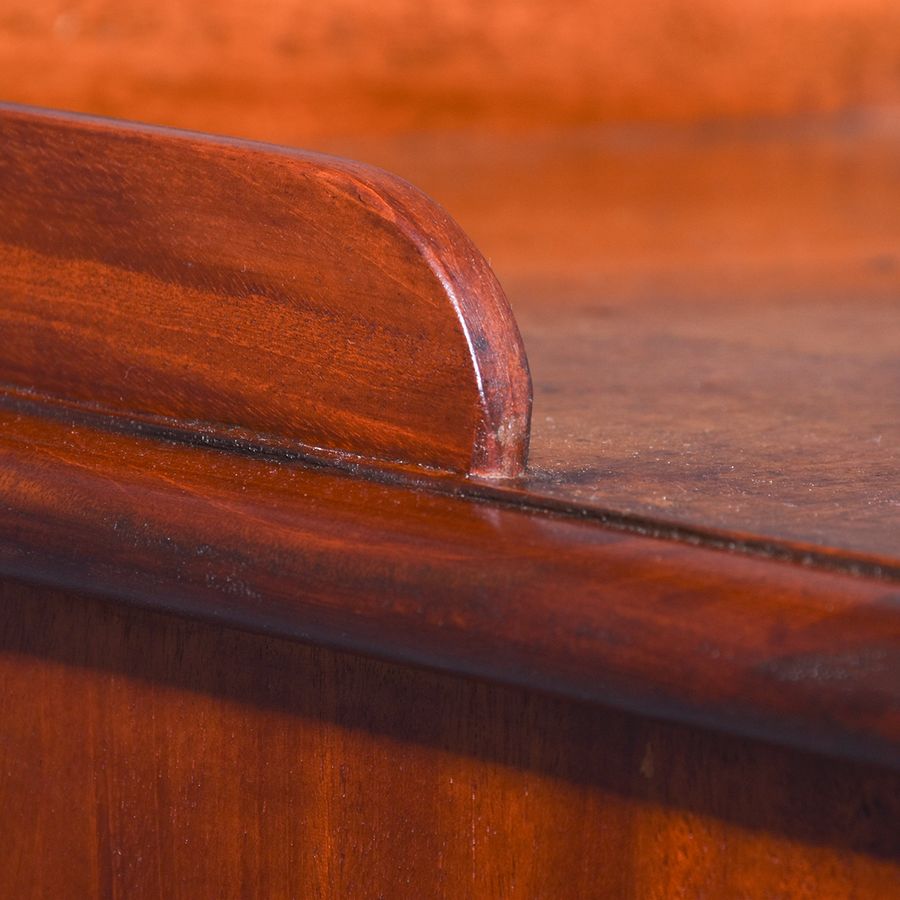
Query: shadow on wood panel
[[749, 783]]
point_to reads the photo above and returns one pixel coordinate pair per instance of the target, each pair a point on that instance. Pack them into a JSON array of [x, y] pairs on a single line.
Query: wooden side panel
[[147, 756], [233, 290]]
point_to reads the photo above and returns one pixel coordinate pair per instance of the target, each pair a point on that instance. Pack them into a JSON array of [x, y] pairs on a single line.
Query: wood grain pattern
[[665, 313], [238, 291], [714, 324], [555, 603], [226, 569], [145, 756]]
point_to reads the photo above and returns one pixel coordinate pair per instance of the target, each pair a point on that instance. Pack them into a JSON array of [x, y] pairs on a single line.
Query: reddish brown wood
[[714, 325], [711, 319], [237, 291], [587, 621], [350, 67], [145, 756], [662, 411], [554, 603]]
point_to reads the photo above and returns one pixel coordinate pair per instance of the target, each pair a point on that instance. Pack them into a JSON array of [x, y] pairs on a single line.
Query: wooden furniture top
[[687, 314], [712, 322]]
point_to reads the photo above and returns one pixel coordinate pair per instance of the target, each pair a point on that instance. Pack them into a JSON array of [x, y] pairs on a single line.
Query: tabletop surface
[[712, 328], [712, 317]]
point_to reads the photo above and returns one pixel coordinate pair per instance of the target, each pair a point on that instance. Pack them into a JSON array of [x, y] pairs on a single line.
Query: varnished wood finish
[[711, 318], [550, 602], [229, 290], [300, 71], [662, 346], [143, 756]]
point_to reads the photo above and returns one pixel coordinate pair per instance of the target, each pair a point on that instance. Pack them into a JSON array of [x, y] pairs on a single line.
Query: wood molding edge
[[226, 286]]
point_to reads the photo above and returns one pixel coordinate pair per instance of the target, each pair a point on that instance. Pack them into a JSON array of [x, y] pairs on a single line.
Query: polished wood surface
[[295, 72], [702, 554], [552, 602], [711, 317], [149, 756], [714, 321], [232, 290]]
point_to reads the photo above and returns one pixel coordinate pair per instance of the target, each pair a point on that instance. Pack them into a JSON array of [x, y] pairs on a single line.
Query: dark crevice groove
[[508, 493]]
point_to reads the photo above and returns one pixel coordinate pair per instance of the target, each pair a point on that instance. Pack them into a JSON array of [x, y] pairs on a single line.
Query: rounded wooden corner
[[492, 337], [226, 287]]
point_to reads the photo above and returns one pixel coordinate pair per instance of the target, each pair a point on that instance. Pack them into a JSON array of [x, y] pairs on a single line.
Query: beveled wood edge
[[496, 350], [750, 646], [499, 491], [503, 491]]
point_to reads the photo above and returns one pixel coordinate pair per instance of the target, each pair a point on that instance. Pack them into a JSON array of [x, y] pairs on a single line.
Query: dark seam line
[[445, 483]]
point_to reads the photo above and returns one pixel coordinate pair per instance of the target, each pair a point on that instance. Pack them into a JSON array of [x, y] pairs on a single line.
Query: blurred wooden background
[[289, 71]]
